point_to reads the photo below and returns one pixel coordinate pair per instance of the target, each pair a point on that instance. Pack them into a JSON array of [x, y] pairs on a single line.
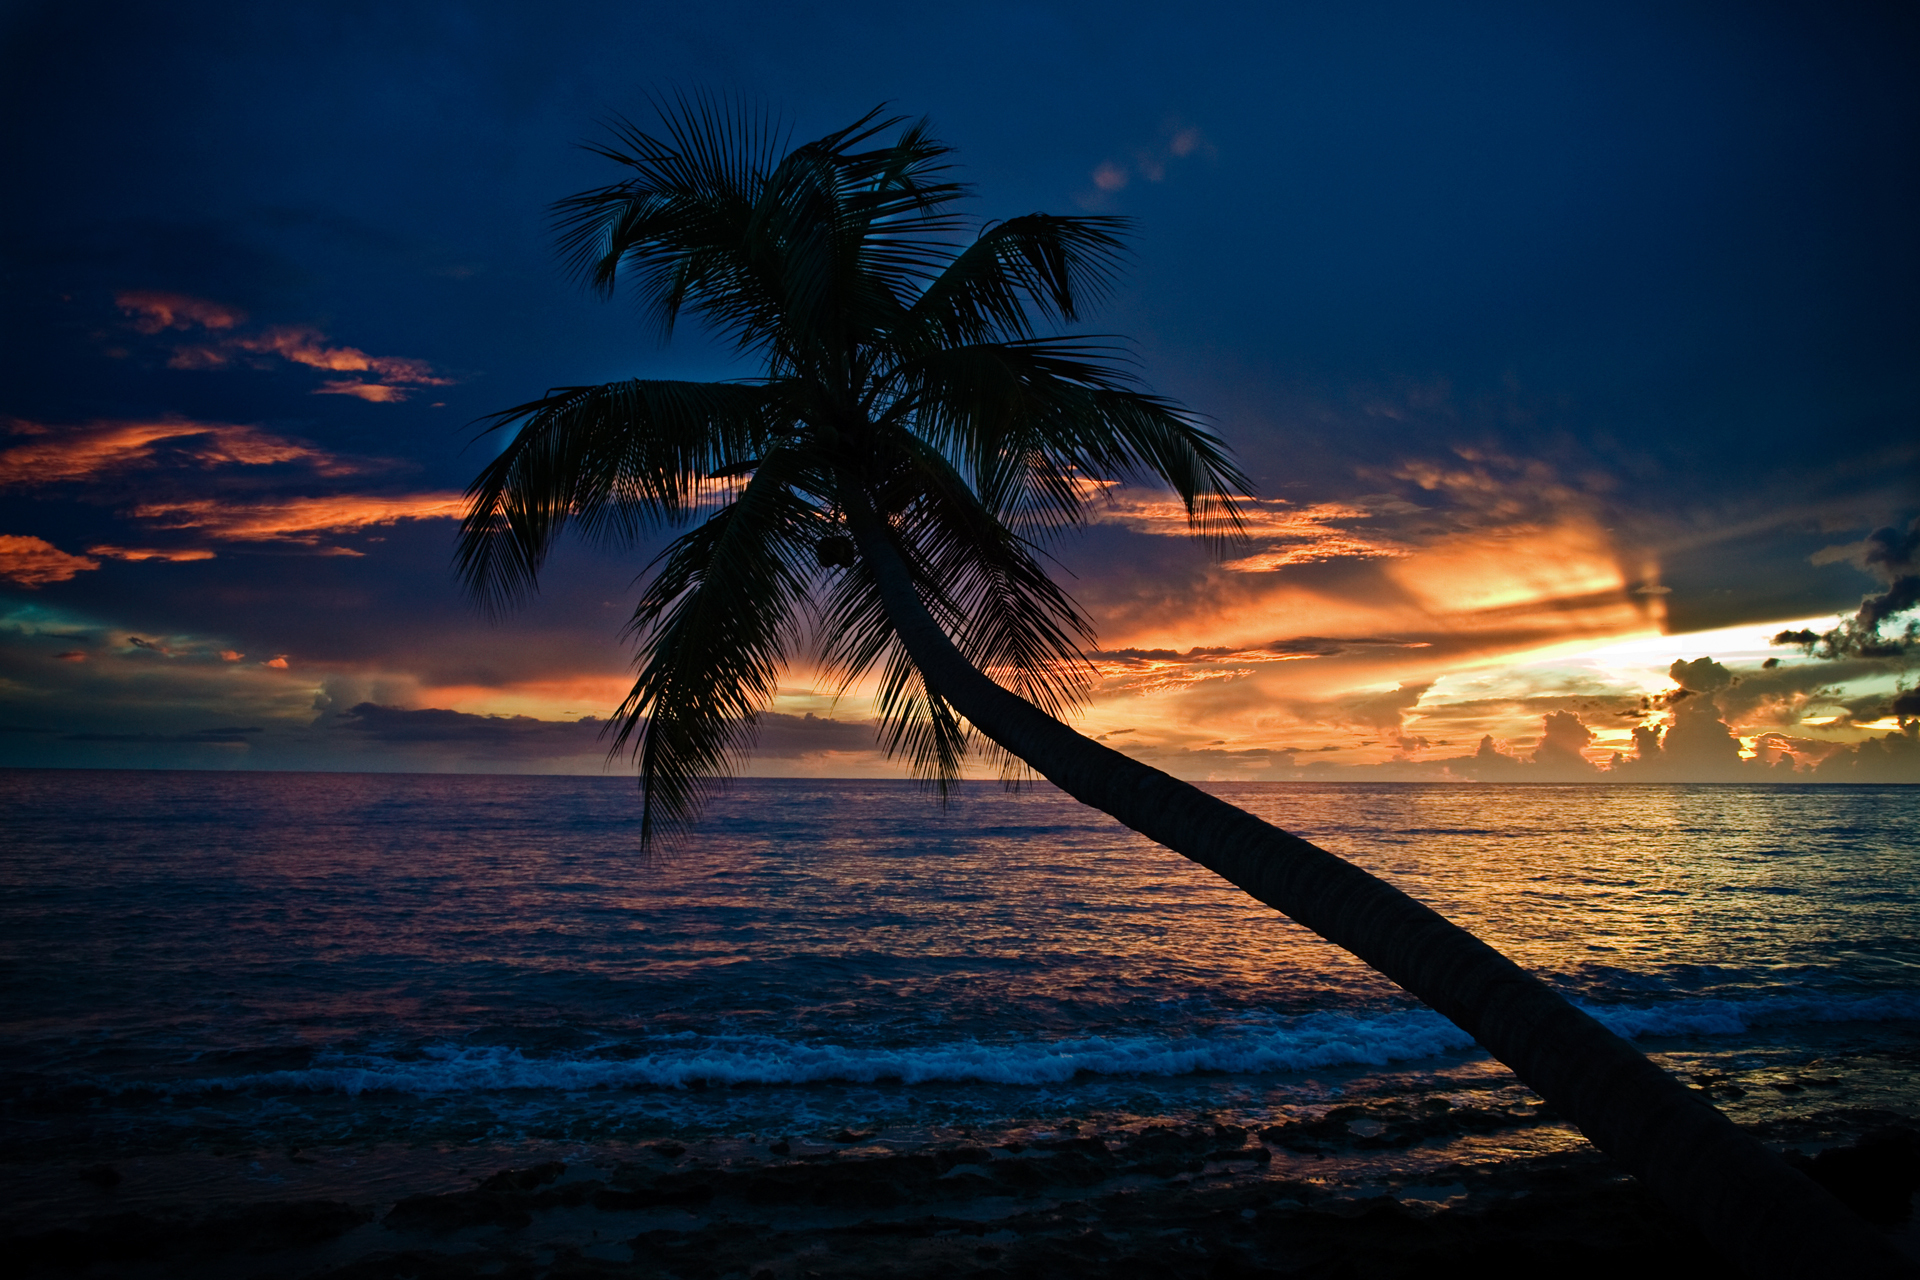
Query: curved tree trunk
[[1751, 1205]]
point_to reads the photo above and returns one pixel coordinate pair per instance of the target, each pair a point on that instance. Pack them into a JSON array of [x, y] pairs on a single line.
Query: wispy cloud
[[372, 392], [34, 562], [154, 312], [61, 454], [300, 521], [394, 376], [1284, 532], [179, 554]]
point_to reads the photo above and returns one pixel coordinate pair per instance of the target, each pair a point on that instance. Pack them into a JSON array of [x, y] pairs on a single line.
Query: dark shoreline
[[1199, 1201]]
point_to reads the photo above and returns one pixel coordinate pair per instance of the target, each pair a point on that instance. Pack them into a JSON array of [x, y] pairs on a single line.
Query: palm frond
[[1040, 262], [714, 626], [1031, 422], [985, 588], [618, 458]]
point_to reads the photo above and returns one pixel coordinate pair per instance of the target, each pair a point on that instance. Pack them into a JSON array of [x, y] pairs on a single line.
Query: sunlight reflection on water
[[496, 944]]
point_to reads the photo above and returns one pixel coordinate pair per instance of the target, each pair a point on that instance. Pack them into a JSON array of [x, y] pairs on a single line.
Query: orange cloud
[[1294, 534], [153, 312], [34, 562], [151, 553], [1572, 564], [298, 520], [377, 392], [306, 345], [58, 454], [300, 344]]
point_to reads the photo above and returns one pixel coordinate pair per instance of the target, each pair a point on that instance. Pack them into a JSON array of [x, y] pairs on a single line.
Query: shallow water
[[281, 962]]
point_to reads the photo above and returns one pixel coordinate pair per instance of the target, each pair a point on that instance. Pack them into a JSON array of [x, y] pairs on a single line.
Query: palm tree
[[882, 490]]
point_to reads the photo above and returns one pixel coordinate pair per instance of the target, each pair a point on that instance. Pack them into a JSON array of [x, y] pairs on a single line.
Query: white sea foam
[[1314, 1041]]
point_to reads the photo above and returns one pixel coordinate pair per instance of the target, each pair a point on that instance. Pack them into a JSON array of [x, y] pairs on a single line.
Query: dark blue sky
[[1653, 262]]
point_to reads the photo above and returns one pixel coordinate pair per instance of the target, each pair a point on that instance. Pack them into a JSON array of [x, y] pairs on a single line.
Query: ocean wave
[[1315, 1041], [1710, 1017], [1311, 1042]]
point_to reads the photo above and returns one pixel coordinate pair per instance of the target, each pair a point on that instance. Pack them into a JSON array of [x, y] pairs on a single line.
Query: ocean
[[236, 985]]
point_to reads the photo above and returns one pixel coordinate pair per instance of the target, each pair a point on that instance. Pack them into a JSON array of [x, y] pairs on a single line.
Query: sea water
[[280, 962]]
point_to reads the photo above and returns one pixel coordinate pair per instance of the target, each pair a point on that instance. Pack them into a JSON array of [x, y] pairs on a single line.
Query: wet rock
[[949, 1157], [854, 1135], [1875, 1177], [671, 1150], [441, 1214], [153, 1238], [524, 1179]]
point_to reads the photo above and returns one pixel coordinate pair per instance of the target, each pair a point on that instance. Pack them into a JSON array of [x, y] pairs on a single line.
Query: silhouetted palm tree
[[882, 487]]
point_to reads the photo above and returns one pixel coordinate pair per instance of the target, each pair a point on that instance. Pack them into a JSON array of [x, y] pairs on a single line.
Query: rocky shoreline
[[1220, 1200]]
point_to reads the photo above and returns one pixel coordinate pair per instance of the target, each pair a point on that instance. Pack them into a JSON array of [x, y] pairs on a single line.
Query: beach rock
[[1875, 1177], [524, 1179], [152, 1238], [441, 1214], [671, 1150]]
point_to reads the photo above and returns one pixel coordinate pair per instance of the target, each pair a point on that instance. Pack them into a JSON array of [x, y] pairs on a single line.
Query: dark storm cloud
[[202, 737], [777, 735], [496, 736], [1890, 555]]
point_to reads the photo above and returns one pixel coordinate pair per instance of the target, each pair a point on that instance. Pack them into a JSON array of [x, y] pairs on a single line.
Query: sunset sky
[[1565, 345]]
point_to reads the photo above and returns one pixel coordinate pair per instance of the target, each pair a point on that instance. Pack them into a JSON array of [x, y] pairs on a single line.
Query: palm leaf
[[620, 458], [714, 627]]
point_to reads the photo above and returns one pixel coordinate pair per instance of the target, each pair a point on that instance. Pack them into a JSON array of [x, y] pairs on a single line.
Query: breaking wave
[[687, 1060]]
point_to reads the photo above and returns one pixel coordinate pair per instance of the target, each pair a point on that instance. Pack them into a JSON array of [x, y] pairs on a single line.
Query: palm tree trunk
[[1750, 1205]]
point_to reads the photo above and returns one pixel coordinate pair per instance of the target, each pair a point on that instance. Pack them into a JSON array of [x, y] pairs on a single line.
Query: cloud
[[1177, 141], [1890, 555], [303, 344], [1702, 675], [1563, 743], [204, 737], [34, 562], [373, 392], [1291, 534], [1144, 671], [153, 312], [779, 736], [298, 520], [70, 454], [182, 554]]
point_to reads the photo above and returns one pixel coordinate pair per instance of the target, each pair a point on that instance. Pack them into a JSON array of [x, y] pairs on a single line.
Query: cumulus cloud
[[35, 562], [1386, 713]]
